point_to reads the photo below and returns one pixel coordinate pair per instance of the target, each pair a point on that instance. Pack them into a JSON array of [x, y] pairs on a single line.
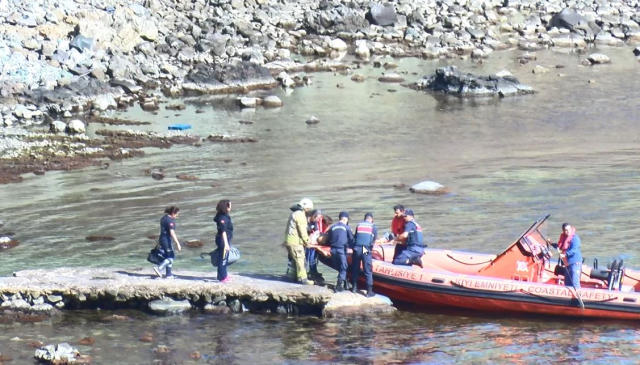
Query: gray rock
[[81, 43], [214, 43], [48, 48], [128, 86], [169, 306], [570, 19], [43, 307], [121, 68], [104, 102], [636, 51], [213, 78], [25, 19], [451, 80], [312, 120], [18, 304], [382, 15]]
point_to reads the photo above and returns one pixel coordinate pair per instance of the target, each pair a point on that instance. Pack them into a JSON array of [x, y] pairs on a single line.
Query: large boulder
[[451, 80], [334, 20], [228, 77], [570, 19], [382, 15]]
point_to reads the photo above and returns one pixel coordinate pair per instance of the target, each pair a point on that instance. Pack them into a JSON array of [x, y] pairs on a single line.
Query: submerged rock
[[7, 243], [59, 354], [451, 80], [169, 306]]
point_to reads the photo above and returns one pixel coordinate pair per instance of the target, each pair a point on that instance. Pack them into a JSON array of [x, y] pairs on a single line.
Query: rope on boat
[[630, 277], [575, 294], [466, 263]]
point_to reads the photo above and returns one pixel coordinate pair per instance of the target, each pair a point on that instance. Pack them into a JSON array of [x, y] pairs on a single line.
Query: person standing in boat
[[340, 238], [296, 238], [167, 234], [569, 247], [397, 229], [414, 239], [366, 234], [223, 237]]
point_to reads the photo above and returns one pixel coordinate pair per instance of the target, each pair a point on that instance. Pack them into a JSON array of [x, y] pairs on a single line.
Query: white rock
[[248, 102], [428, 187], [271, 101], [76, 127], [598, 59], [338, 44], [504, 73], [540, 70], [104, 102], [57, 126]]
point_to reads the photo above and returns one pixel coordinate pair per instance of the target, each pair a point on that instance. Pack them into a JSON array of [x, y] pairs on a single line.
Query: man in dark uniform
[[340, 237], [365, 236], [415, 242]]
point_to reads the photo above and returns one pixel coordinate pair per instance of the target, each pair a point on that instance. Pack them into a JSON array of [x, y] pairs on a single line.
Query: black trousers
[[339, 258], [367, 265]]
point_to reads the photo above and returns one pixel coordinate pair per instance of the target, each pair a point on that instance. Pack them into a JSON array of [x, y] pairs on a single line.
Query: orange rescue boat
[[521, 280]]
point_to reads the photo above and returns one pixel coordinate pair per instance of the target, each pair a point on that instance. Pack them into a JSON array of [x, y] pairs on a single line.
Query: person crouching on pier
[[167, 234], [223, 237], [340, 237]]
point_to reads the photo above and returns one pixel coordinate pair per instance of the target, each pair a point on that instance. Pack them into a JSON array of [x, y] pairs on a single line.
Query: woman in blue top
[[168, 233], [224, 237]]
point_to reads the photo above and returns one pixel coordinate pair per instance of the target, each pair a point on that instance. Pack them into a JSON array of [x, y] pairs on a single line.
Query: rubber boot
[[339, 286], [354, 287], [370, 292]]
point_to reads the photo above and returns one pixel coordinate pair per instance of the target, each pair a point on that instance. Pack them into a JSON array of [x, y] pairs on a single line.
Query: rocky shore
[[46, 292], [63, 62]]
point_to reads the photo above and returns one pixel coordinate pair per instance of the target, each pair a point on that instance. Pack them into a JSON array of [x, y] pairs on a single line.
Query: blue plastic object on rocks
[[179, 127]]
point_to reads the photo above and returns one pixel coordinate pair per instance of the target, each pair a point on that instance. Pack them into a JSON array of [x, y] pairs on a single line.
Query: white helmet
[[306, 204]]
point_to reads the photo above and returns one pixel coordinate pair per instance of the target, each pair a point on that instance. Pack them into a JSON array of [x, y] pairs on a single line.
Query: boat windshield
[[533, 238]]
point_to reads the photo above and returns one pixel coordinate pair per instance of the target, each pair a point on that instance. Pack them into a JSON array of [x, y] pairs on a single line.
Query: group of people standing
[[224, 236], [303, 233], [303, 224]]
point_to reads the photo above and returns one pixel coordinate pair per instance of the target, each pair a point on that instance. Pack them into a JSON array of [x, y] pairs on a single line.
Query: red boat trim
[[512, 297]]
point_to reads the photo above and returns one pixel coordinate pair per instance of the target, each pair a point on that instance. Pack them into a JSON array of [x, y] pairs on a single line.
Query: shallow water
[[570, 150]]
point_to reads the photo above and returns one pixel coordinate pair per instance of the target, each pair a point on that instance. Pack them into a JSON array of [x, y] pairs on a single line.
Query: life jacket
[[564, 241], [364, 234]]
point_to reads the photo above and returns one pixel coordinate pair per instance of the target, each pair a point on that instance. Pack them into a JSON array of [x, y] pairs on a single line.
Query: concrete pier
[[52, 290]]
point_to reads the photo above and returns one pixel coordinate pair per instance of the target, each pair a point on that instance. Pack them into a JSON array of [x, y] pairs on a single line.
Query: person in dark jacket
[[414, 240], [167, 234], [366, 234], [569, 247], [223, 237], [340, 238]]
